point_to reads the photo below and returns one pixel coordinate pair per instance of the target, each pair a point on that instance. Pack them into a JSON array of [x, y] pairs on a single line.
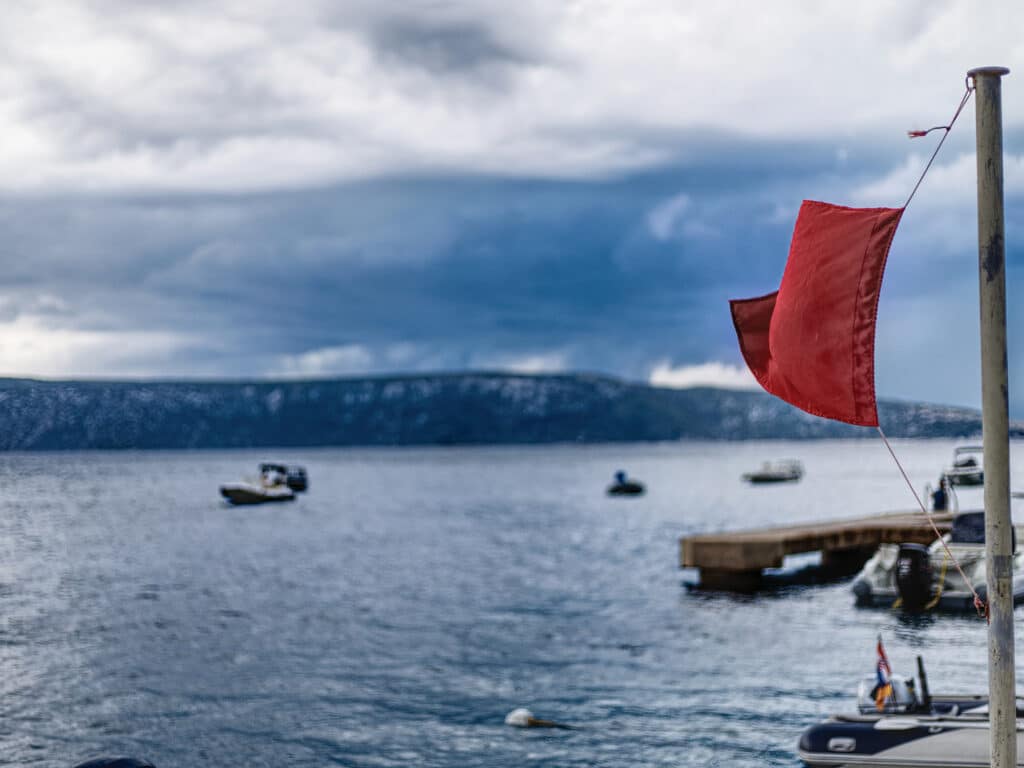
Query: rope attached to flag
[[981, 606], [811, 343]]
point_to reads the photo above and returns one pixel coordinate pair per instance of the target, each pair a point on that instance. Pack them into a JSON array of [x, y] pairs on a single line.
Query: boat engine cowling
[[914, 576]]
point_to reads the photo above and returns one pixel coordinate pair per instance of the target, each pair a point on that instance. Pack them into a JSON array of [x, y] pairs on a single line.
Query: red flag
[[812, 342]]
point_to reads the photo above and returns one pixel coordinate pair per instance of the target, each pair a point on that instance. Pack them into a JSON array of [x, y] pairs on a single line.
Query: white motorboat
[[912, 729], [784, 471], [919, 578], [271, 486], [967, 467]]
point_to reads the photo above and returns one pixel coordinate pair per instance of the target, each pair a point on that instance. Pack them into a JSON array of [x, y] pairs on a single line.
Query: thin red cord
[[947, 129], [979, 605]]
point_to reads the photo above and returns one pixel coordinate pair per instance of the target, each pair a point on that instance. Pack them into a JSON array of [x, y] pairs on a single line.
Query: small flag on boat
[[883, 690], [812, 342]]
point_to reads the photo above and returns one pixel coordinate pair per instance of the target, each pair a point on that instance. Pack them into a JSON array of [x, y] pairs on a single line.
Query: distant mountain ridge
[[439, 409]]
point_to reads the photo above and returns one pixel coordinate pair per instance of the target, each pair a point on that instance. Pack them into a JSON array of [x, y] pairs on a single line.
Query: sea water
[[394, 614]]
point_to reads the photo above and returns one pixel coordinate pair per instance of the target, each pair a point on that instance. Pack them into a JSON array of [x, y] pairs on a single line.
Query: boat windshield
[[966, 449], [968, 528]]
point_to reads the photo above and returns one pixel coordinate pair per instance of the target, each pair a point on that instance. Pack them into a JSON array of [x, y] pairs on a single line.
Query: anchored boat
[[913, 728], [271, 486], [967, 467], [785, 471], [245, 492], [623, 486], [919, 578]]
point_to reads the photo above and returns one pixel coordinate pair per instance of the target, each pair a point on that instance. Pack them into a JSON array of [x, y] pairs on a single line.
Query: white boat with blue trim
[[913, 730]]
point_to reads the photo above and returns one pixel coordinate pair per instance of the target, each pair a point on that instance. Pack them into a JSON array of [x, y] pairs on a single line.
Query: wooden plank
[[766, 548]]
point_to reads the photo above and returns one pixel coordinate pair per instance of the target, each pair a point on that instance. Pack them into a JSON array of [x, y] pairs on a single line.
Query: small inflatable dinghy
[[623, 486], [912, 728]]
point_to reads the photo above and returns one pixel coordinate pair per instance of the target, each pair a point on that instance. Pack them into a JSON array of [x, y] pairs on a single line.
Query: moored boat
[[912, 729], [919, 578], [967, 467], [623, 486], [246, 492], [785, 471], [271, 486]]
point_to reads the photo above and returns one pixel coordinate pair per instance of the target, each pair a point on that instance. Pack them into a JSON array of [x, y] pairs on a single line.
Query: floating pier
[[735, 561]]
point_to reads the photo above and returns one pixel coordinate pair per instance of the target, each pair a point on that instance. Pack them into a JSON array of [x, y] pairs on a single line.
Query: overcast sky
[[236, 189]]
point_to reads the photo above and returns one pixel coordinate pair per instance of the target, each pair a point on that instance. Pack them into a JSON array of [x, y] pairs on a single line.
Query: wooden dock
[[735, 561]]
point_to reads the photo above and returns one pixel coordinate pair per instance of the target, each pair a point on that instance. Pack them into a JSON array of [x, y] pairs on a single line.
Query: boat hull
[[951, 602], [966, 478], [901, 742], [627, 488], [762, 478], [245, 493]]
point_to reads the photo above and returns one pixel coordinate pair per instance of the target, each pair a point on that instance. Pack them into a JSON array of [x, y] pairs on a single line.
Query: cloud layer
[[231, 189], [243, 96]]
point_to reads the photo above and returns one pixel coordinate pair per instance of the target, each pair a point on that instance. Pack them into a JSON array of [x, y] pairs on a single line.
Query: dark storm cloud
[[445, 47], [613, 274]]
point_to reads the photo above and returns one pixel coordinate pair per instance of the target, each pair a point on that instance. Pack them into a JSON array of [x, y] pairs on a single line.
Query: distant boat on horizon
[[967, 467], [784, 471], [623, 486], [272, 485]]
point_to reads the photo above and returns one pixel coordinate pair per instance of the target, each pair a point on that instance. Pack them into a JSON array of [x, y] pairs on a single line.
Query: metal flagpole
[[995, 416]]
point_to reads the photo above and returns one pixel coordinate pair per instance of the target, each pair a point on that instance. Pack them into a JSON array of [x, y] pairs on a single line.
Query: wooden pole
[[995, 416]]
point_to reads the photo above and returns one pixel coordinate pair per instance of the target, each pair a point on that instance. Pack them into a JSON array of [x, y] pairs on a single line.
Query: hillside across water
[[444, 409]]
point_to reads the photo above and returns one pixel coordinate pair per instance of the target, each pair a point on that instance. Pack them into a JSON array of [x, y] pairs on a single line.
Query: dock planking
[[735, 560]]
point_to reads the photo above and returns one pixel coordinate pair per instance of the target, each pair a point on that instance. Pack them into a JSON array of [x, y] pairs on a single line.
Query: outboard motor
[[914, 576]]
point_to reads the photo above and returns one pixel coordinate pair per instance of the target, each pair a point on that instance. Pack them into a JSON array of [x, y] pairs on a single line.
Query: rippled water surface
[[394, 614]]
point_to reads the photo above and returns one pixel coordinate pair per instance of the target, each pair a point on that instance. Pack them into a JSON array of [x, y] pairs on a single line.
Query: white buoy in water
[[520, 717]]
